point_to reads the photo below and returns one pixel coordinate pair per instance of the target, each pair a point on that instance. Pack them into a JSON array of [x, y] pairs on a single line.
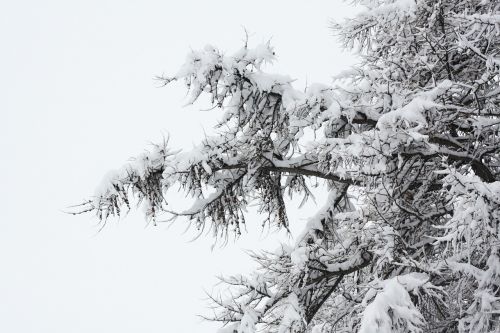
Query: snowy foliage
[[412, 132]]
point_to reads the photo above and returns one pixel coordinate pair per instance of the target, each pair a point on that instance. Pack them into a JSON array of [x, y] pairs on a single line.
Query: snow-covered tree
[[407, 144]]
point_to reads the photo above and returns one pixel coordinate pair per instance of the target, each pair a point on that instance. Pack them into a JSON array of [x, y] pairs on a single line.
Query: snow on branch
[[407, 146]]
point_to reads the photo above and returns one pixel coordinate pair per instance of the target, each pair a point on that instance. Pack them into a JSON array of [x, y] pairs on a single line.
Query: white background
[[77, 98]]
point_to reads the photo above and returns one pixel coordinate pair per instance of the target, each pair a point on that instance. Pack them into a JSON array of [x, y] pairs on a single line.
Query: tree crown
[[407, 144]]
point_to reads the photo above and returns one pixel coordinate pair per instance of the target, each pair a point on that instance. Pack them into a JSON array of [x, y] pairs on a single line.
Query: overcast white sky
[[78, 99]]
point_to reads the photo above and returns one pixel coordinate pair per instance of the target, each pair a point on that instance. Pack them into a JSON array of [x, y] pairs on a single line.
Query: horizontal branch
[[298, 170], [313, 173]]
